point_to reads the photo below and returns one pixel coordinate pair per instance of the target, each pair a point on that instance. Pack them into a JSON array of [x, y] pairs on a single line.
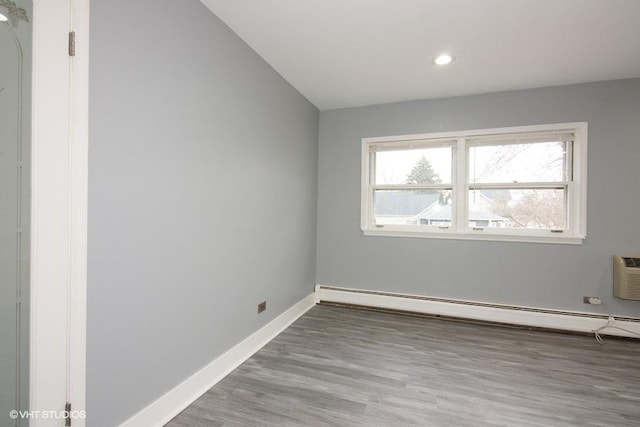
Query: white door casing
[[58, 210]]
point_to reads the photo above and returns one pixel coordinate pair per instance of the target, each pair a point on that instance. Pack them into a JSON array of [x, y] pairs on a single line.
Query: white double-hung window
[[523, 183]]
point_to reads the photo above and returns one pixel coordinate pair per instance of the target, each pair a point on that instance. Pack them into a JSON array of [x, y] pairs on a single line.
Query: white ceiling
[[341, 53]]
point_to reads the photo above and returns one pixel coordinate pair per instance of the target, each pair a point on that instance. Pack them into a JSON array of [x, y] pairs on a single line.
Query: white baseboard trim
[[172, 403], [516, 315]]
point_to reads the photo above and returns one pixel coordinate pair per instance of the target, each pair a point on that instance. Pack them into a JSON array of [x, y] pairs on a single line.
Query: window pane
[[409, 207], [535, 162], [521, 208], [420, 166]]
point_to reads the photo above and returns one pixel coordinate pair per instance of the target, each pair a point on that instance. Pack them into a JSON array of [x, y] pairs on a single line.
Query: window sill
[[563, 240]]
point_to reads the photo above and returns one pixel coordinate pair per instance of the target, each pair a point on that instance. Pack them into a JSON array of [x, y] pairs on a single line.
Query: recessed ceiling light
[[3, 18], [443, 59]]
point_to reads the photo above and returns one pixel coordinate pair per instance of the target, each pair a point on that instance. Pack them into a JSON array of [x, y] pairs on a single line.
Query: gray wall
[[202, 198], [540, 275]]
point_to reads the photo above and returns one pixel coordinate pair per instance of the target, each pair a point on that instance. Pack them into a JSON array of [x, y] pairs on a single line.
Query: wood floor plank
[[339, 366]]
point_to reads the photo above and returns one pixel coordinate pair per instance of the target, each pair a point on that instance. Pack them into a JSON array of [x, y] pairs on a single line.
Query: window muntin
[[516, 184]]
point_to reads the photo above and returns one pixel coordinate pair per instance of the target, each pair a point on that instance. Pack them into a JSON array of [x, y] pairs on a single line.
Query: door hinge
[[72, 43], [67, 412]]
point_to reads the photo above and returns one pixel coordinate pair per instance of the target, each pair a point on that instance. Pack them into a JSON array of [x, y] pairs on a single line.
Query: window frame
[[576, 186]]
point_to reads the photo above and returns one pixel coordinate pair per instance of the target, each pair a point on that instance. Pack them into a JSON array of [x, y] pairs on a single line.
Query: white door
[[43, 248]]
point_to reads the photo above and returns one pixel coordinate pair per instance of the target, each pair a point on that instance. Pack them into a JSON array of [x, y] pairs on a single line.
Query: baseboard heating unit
[[573, 321]]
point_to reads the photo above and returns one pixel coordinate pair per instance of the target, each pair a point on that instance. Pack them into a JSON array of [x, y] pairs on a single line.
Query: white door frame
[[79, 202], [59, 209]]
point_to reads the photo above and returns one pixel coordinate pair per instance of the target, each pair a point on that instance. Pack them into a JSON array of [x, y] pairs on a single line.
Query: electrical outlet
[[592, 300], [262, 306]]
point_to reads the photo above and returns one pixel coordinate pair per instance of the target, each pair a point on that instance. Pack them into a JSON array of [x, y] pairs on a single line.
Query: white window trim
[[577, 189]]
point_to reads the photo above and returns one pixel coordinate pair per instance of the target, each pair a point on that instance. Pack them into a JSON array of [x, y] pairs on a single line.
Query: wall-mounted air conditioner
[[626, 277]]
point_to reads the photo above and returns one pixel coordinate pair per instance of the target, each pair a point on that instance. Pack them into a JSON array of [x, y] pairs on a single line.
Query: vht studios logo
[[47, 415]]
